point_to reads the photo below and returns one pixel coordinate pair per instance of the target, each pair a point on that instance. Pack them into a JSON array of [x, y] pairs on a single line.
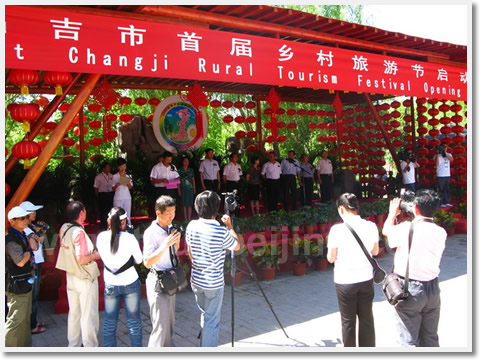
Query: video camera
[[441, 149], [407, 205], [178, 228], [407, 156], [232, 200]]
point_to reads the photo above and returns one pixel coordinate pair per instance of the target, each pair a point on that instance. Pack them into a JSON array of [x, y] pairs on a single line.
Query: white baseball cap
[[17, 212], [27, 205]]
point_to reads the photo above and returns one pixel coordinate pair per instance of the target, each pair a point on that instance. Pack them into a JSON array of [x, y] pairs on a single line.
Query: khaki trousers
[[17, 327], [83, 319], [162, 315]]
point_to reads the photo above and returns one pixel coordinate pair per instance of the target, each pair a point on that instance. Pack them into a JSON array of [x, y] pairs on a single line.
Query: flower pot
[[299, 269], [451, 231], [238, 278], [381, 252], [309, 229], [294, 230], [322, 228], [50, 255], [321, 264], [268, 274]]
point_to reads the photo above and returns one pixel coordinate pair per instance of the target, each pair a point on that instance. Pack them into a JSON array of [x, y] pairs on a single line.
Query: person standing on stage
[[408, 165], [162, 173], [103, 185], [306, 175], [187, 188], [231, 177], [210, 172], [122, 184], [443, 159], [271, 171], [290, 171], [325, 176], [254, 181]]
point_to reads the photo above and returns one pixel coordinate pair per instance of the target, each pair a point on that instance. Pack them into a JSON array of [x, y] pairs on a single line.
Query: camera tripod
[[252, 275]]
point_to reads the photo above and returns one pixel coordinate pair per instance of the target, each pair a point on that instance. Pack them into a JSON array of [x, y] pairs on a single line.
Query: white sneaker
[[448, 205], [443, 206]]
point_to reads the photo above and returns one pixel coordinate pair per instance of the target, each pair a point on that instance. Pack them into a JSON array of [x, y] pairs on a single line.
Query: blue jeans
[[410, 187], [210, 304], [131, 298], [35, 293]]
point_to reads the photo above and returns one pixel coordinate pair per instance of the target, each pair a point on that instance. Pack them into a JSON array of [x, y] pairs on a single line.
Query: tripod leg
[[233, 295], [254, 276]]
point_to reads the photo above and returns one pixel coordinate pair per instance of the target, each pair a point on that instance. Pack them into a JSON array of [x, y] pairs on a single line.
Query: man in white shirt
[[325, 176], [290, 171], [418, 314], [103, 185], [163, 172], [231, 177], [210, 173], [271, 171], [156, 257], [442, 160], [408, 165]]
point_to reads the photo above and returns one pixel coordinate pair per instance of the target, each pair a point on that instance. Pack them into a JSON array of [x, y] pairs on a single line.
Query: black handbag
[[20, 284], [173, 280], [378, 272], [394, 287]]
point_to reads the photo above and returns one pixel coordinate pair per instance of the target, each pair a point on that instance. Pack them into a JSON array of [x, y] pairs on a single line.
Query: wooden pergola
[[258, 20]]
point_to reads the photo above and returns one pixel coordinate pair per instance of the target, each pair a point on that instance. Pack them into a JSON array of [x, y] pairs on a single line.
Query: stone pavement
[[307, 308]]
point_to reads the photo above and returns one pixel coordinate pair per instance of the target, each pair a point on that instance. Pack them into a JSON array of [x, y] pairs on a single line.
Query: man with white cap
[[37, 231], [19, 279]]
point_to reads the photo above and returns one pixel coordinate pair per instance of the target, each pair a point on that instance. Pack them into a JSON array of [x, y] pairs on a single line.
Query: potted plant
[[321, 217], [295, 219], [379, 208], [277, 221], [49, 244], [257, 224], [446, 220], [266, 258], [300, 250], [318, 251], [240, 258], [309, 219]]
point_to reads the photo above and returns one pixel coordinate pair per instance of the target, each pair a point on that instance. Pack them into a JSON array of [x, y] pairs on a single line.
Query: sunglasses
[[21, 218]]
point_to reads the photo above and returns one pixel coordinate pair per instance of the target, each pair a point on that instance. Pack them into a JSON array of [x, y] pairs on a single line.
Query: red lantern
[[110, 117], [312, 126], [227, 104], [270, 139], [250, 105], [397, 143], [25, 113], [291, 126], [268, 111], [434, 142], [282, 139], [422, 130], [154, 101], [41, 101], [252, 148], [64, 107], [322, 138], [456, 108], [96, 157], [76, 130], [7, 189], [95, 141], [124, 101], [140, 101], [26, 150], [239, 119], [458, 129], [240, 134], [281, 124], [395, 123], [239, 104], [68, 159], [251, 119], [291, 112], [396, 114], [457, 119], [332, 138], [215, 103], [434, 132], [267, 125], [394, 133], [395, 104], [407, 103], [227, 119], [126, 118], [67, 142], [150, 117], [301, 112], [23, 78], [444, 108], [408, 129], [433, 122], [251, 134], [445, 120], [458, 139], [95, 124], [94, 107], [110, 135], [77, 119], [57, 79], [433, 112]]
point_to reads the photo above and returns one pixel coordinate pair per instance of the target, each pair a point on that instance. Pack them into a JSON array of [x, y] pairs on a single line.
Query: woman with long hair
[[353, 273], [188, 188], [120, 251], [254, 181]]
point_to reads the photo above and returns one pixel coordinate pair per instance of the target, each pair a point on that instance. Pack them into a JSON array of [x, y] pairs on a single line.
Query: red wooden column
[[41, 163], [46, 114], [384, 132]]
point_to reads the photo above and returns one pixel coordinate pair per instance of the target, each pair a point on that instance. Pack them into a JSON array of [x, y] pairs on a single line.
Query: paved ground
[[307, 308]]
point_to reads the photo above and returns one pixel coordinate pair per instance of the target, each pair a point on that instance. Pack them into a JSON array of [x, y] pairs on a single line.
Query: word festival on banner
[[69, 41]]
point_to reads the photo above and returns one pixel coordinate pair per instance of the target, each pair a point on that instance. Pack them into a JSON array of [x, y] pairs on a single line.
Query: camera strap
[[410, 237], [173, 256], [372, 261]]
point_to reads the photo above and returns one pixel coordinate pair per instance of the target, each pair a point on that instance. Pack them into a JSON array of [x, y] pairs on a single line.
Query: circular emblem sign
[[178, 126]]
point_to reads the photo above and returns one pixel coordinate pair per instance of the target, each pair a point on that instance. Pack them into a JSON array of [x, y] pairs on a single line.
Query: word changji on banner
[[47, 39]]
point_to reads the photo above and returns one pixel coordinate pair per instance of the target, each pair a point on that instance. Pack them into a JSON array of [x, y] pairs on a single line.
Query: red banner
[[44, 39]]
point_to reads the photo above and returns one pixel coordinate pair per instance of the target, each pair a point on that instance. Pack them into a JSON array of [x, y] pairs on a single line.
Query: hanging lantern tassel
[[26, 126], [58, 90], [26, 164]]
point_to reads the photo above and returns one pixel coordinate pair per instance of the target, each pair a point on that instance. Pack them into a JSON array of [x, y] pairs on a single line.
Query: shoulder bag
[[171, 281], [378, 272], [394, 288]]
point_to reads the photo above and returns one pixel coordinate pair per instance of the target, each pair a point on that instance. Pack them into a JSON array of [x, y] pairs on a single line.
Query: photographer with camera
[[157, 240], [231, 177], [36, 230], [442, 160], [207, 241], [417, 315], [408, 164]]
